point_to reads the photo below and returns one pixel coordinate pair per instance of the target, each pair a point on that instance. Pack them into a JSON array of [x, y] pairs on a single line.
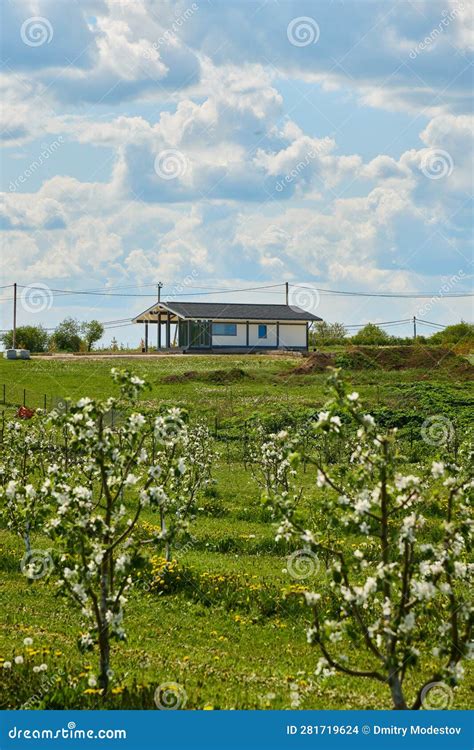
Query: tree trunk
[[103, 625], [163, 531], [104, 647], [397, 692], [26, 539]]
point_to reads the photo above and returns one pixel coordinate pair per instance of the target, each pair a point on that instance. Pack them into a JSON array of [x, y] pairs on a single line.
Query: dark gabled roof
[[237, 311]]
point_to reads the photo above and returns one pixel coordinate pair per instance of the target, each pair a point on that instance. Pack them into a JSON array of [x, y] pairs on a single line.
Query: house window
[[262, 331], [224, 329]]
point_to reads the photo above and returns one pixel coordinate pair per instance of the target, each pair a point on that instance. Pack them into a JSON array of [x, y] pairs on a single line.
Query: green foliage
[[34, 338], [325, 333], [73, 336], [91, 331], [67, 336], [371, 334], [460, 333]]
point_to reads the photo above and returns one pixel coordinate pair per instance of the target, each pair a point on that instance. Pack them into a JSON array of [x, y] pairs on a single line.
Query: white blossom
[[437, 469]]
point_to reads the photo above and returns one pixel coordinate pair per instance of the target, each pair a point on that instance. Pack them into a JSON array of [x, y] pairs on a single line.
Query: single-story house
[[209, 326]]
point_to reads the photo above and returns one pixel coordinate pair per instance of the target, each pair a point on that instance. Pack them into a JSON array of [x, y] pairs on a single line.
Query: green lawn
[[242, 650]]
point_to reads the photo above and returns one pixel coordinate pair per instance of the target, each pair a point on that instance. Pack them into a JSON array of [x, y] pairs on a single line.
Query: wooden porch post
[[146, 336], [278, 334], [247, 332], [307, 336], [159, 331], [168, 331]]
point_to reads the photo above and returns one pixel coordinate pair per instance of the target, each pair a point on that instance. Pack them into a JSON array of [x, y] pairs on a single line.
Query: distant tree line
[[327, 334], [70, 335]]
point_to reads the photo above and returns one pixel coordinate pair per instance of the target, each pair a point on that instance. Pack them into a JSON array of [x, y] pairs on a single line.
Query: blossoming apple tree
[[97, 507], [187, 455], [401, 596], [273, 458]]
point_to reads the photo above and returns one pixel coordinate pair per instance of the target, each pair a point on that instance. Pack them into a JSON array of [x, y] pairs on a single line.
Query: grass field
[[231, 635]]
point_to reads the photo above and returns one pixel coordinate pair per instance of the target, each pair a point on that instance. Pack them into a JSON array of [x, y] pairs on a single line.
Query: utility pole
[[414, 327], [14, 315], [287, 295], [158, 317]]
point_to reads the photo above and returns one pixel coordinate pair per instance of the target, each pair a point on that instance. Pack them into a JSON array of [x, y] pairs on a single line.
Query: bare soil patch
[[233, 375]]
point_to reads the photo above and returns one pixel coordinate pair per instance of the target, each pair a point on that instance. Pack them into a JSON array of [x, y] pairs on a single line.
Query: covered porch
[[165, 329]]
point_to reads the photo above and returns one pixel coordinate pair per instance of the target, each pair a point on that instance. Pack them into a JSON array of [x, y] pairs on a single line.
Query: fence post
[[4, 394], [24, 396], [45, 402]]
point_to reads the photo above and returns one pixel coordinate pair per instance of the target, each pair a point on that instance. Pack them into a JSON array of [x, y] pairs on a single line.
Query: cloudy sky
[[219, 145]]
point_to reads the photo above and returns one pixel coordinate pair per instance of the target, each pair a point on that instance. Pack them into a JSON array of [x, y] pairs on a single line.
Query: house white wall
[[293, 335], [239, 340], [290, 335], [271, 339]]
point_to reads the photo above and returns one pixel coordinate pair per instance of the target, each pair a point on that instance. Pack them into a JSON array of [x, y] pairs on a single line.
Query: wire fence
[[15, 396]]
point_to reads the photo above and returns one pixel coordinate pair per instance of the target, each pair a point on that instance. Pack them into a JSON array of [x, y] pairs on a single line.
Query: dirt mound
[[427, 358], [316, 362], [234, 375]]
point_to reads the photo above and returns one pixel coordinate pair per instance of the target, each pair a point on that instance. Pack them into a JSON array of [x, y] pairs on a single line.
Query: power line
[[385, 323], [435, 295], [263, 289], [71, 292], [428, 323]]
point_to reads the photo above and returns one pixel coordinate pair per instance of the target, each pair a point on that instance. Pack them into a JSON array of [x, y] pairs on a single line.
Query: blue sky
[[214, 145]]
